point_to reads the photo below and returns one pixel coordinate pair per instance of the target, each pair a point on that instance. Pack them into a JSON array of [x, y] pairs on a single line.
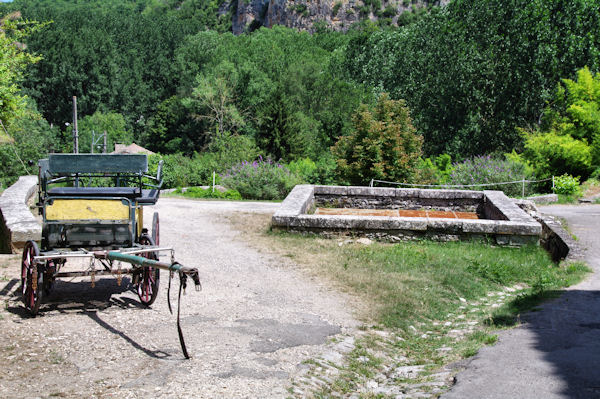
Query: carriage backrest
[[65, 164]]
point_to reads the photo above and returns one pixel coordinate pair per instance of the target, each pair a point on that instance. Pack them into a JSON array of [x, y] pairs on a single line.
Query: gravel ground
[[248, 332]]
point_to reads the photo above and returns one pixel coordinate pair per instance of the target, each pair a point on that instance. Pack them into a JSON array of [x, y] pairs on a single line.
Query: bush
[[567, 185], [486, 170], [199, 192], [261, 180], [320, 172], [383, 145], [305, 168], [555, 154]]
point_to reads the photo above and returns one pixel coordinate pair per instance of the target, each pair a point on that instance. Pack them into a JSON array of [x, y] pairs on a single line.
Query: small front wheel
[[147, 286], [32, 274]]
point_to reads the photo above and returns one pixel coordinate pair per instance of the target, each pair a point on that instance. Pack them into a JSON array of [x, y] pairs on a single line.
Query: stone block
[[331, 190], [518, 241], [372, 191], [480, 226], [502, 240], [437, 194], [297, 201], [415, 224], [450, 226], [512, 228], [544, 199], [407, 193], [19, 224], [468, 194]]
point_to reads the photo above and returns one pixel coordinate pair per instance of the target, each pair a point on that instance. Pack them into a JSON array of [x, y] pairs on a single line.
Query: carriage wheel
[[31, 278], [147, 286], [155, 229]]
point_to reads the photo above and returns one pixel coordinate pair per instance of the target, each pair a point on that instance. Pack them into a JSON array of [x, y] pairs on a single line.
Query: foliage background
[[168, 74]]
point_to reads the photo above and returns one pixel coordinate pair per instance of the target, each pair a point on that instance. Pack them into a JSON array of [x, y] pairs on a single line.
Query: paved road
[[556, 352]]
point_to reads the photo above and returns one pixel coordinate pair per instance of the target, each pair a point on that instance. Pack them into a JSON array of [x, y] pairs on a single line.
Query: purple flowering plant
[[261, 179], [487, 170]]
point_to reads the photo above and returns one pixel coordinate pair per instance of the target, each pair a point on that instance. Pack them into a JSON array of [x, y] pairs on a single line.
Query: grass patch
[[417, 282], [566, 199], [199, 192], [438, 302]]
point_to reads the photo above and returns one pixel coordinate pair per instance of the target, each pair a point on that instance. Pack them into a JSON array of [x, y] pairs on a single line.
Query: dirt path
[[555, 353], [248, 331]]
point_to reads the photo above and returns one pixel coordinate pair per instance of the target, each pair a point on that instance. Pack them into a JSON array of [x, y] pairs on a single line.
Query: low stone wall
[[398, 198], [512, 225], [17, 223], [554, 238]]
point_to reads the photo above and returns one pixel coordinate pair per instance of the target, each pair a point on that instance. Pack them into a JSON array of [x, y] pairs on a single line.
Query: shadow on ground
[[80, 298]]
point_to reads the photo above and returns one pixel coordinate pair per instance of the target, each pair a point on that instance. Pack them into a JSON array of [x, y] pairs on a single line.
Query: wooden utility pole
[[75, 132]]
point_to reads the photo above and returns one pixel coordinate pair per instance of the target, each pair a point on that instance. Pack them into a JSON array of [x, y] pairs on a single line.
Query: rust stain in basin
[[397, 213]]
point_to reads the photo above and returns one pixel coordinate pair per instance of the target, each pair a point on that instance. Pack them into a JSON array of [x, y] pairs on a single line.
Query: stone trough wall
[[391, 198], [17, 223], [505, 223]]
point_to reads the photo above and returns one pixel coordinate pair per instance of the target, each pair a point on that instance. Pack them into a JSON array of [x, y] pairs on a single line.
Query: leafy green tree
[[569, 140], [383, 145], [173, 129], [473, 71], [33, 139], [213, 99], [13, 61], [94, 125]]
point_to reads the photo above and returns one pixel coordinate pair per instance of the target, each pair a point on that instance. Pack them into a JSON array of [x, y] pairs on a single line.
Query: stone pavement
[[555, 353]]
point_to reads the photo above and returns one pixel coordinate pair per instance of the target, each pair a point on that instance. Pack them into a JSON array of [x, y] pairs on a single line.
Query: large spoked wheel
[[155, 229], [31, 278], [147, 286]]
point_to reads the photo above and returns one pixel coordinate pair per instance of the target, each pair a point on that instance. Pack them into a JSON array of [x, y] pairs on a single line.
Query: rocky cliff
[[307, 15]]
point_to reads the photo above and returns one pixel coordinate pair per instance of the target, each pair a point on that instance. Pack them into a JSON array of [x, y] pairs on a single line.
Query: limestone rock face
[[308, 15], [249, 14]]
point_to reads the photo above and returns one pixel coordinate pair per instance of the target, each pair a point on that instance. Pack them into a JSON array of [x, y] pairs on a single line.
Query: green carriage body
[[79, 214]]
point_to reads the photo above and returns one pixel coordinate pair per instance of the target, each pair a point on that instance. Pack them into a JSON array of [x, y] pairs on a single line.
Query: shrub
[[434, 170], [383, 144], [199, 192], [486, 170], [262, 179], [389, 11], [555, 154], [336, 8], [567, 185], [305, 168], [320, 172]]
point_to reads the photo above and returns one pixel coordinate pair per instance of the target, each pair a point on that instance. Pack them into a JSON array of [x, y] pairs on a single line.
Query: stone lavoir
[[398, 214]]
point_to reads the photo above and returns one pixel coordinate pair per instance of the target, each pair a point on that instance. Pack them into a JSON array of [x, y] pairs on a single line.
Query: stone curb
[[554, 238], [17, 223]]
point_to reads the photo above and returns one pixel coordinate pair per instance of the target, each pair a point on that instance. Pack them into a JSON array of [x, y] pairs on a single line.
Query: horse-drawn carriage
[[92, 208]]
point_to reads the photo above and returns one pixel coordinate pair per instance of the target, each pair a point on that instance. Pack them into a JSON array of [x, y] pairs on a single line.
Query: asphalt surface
[[555, 353]]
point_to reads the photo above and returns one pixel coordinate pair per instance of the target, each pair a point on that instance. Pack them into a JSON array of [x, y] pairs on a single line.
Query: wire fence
[[442, 186]]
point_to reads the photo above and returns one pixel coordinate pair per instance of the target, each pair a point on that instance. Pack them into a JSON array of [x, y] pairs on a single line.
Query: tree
[[33, 139], [94, 125], [569, 140], [213, 98], [474, 70], [383, 145], [13, 61]]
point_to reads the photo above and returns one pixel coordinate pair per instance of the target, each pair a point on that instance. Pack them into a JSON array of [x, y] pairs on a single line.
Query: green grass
[[423, 281], [565, 199]]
